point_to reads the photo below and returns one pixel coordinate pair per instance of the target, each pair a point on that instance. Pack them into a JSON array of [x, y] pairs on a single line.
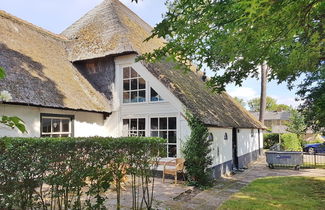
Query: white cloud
[[245, 93]]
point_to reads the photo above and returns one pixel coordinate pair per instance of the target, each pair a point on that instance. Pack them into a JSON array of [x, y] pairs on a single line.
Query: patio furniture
[[173, 167]]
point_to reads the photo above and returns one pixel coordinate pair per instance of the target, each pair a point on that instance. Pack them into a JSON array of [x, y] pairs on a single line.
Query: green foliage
[[296, 123], [14, 122], [270, 139], [238, 36], [271, 105], [2, 73], [290, 142], [240, 101], [312, 92], [197, 153], [42, 173]]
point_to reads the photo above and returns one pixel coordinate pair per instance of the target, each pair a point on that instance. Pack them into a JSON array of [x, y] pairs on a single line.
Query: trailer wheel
[[271, 166]]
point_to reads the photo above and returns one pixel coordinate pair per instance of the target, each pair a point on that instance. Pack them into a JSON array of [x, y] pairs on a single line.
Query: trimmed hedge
[[53, 173], [270, 139], [290, 142]]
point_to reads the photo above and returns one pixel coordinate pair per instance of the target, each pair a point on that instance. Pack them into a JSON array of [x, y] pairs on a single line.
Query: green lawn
[[280, 193]]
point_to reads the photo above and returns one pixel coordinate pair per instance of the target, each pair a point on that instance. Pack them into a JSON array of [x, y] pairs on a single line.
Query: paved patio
[[170, 196], [226, 186]]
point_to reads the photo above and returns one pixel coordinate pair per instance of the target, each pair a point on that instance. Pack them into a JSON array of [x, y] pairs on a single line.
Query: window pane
[[65, 135], [65, 125], [134, 84], [56, 125], [142, 124], [56, 135], [47, 135], [142, 83], [142, 133], [154, 95], [172, 137], [126, 123], [171, 150], [133, 133], [142, 96], [154, 123], [134, 124], [154, 133], [134, 96], [133, 73], [172, 123], [126, 97], [126, 84], [163, 134], [162, 123], [46, 124], [126, 72]]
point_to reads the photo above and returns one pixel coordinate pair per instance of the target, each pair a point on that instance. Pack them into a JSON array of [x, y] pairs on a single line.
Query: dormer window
[[154, 96], [134, 86]]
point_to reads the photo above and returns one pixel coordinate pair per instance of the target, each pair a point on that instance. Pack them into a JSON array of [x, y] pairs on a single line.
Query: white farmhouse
[[86, 82]]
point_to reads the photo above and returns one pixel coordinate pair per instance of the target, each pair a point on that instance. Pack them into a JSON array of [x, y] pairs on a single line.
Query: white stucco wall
[[246, 143], [85, 123], [224, 146], [170, 107]]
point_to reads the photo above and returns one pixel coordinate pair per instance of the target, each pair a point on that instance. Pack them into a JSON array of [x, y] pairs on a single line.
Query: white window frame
[[166, 130], [137, 130], [136, 90], [160, 99], [52, 117]]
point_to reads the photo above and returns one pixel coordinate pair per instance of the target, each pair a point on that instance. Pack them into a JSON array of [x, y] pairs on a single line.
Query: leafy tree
[[271, 105], [312, 92], [240, 101], [254, 104], [296, 123], [12, 122], [197, 153], [241, 36]]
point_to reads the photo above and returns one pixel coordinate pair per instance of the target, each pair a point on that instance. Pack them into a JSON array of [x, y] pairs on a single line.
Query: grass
[[280, 193]]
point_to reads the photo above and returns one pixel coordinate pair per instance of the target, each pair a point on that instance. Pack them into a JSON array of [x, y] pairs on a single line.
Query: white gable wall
[[170, 107], [85, 123]]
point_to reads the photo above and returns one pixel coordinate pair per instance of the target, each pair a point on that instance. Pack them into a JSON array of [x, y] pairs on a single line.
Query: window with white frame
[[134, 86], [134, 127], [154, 96], [56, 125], [165, 127]]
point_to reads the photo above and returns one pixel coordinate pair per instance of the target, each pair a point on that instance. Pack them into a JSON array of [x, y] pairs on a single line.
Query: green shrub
[[72, 168], [197, 154], [290, 142], [270, 139]]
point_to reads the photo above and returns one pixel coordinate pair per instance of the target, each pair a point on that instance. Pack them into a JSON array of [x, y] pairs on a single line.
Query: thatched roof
[[109, 29], [38, 70], [213, 109]]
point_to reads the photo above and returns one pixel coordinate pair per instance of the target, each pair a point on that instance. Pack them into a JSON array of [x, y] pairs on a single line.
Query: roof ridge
[[32, 26], [132, 13]]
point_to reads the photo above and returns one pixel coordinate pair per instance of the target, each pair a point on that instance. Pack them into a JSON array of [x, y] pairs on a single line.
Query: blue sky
[[56, 15]]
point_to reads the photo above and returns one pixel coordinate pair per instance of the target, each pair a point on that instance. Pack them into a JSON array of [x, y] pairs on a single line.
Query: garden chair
[[174, 166]]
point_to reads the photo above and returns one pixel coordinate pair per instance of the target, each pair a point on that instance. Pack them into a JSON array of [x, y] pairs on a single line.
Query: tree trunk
[[263, 92]]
